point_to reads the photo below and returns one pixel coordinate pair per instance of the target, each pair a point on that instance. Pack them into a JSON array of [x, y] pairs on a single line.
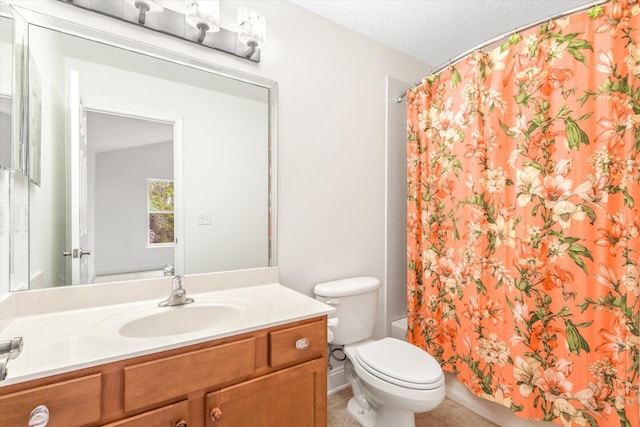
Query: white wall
[[226, 176], [396, 205], [4, 234], [5, 65], [18, 227], [121, 230]]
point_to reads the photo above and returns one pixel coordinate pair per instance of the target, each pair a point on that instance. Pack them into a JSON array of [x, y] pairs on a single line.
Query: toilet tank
[[356, 301]]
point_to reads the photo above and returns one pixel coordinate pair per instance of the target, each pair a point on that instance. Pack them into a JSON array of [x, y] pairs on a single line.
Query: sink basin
[[178, 320], [155, 322]]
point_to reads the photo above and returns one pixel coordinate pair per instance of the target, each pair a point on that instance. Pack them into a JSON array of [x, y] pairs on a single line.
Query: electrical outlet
[[204, 218]]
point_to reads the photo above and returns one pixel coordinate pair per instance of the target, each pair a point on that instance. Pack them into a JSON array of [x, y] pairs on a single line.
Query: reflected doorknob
[[77, 253]]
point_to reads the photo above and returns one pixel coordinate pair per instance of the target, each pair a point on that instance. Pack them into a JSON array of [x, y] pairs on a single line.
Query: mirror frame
[[27, 18]]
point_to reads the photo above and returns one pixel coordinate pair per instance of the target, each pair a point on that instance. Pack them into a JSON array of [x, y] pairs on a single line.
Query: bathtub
[[134, 275], [458, 392]]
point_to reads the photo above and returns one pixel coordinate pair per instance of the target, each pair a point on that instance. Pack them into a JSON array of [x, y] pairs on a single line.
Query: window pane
[[160, 196], [161, 228]]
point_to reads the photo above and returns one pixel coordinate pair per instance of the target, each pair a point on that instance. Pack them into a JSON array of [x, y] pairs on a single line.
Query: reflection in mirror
[[131, 224], [5, 131], [144, 165], [6, 67]]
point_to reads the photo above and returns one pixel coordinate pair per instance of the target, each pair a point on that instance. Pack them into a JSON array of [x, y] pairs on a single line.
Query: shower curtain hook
[[551, 24]]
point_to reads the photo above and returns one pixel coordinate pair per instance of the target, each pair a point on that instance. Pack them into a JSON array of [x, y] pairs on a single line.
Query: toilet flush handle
[[334, 301]]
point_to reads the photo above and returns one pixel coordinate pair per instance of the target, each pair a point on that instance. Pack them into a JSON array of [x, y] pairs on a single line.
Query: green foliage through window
[[160, 208]]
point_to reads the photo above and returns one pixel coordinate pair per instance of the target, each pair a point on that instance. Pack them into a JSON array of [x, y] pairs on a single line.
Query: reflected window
[[160, 211]]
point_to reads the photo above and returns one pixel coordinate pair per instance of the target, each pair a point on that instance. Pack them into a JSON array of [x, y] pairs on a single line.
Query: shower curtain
[[523, 223]]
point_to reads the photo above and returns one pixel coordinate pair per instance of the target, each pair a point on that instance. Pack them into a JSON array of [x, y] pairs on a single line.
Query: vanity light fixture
[[196, 21], [145, 6]]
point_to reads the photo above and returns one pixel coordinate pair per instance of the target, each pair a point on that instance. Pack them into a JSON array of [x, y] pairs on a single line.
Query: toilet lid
[[400, 363]]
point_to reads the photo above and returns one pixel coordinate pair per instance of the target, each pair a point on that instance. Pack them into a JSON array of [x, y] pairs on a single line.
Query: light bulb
[[203, 15], [252, 27]]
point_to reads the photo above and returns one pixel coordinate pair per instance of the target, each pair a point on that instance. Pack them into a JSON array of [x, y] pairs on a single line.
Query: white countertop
[[62, 341]]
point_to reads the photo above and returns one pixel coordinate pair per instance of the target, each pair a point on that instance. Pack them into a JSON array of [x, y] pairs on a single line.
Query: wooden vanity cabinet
[[270, 377]]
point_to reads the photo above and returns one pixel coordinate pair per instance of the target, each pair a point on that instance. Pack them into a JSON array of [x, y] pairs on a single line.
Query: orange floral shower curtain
[[524, 219]]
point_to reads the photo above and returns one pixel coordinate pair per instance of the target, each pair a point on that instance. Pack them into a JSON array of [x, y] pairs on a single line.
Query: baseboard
[[336, 380]]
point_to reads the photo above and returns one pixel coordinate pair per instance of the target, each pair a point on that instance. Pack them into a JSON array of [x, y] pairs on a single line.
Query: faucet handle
[[168, 270], [178, 282], [12, 346]]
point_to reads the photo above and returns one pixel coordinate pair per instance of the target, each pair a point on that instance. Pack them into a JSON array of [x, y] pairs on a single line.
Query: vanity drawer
[[161, 380], [71, 403], [297, 343], [170, 415]]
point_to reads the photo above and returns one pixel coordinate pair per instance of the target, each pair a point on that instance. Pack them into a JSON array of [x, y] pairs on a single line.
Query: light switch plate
[[204, 218]]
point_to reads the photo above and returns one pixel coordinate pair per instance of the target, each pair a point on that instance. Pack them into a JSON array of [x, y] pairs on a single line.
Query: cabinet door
[[176, 415], [296, 396]]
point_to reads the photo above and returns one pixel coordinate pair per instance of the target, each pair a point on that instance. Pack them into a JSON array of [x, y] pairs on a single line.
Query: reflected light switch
[[204, 218]]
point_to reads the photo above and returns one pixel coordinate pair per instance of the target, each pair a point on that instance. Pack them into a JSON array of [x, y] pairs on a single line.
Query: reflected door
[[78, 227]]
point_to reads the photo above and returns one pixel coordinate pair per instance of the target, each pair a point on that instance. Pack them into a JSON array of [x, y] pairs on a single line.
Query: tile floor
[[448, 414]]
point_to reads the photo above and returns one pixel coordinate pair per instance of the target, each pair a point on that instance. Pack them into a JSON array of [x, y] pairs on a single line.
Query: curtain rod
[[455, 60]]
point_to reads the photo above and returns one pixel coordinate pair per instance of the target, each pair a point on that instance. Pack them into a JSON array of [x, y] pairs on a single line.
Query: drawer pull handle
[[39, 417], [181, 423], [215, 414], [302, 344]]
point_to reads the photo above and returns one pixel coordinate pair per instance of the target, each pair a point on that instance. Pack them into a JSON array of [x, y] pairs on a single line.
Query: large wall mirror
[[135, 162]]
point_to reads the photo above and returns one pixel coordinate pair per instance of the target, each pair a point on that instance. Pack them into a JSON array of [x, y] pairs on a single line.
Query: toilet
[[391, 379]]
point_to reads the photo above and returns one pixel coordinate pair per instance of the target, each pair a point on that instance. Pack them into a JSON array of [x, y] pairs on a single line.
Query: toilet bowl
[[390, 378]]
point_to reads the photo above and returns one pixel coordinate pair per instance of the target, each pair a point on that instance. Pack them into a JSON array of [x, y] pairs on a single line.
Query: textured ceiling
[[435, 31]]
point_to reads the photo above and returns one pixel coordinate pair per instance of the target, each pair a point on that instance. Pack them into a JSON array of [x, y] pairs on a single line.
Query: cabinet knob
[[181, 423], [302, 344], [39, 417], [215, 414]]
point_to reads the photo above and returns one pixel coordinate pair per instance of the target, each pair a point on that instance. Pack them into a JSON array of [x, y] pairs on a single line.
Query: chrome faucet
[[9, 349], [178, 294], [168, 270]]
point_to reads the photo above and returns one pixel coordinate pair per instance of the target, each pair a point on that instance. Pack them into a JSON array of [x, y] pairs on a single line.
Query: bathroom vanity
[[262, 364]]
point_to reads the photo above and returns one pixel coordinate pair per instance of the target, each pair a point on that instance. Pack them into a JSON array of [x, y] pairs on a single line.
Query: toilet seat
[[400, 363]]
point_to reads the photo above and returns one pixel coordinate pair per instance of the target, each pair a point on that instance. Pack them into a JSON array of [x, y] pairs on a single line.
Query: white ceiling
[[435, 31], [108, 132]]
